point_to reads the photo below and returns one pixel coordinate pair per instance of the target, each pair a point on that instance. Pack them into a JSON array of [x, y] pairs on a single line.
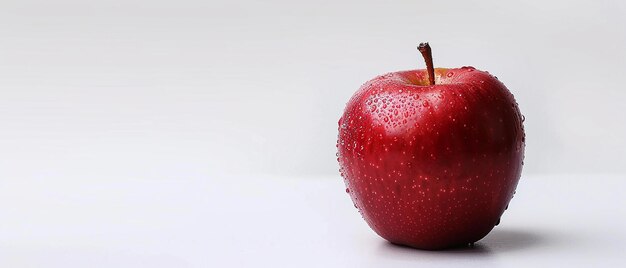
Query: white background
[[136, 91], [139, 88]]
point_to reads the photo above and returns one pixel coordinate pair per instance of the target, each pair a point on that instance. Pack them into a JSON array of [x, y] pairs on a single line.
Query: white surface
[[553, 221], [197, 83]]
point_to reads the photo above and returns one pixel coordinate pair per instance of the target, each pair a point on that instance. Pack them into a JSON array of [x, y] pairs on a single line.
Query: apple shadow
[[497, 242], [476, 249], [506, 240]]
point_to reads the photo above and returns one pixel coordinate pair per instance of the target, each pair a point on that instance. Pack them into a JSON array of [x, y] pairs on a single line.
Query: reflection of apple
[[431, 158]]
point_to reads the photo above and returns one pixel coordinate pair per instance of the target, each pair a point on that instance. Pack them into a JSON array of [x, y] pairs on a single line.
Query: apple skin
[[432, 167]]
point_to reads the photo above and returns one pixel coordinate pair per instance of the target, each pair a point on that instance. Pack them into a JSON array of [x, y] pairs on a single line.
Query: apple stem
[[424, 48]]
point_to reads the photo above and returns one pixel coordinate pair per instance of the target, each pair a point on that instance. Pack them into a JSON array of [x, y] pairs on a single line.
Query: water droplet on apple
[[450, 74], [498, 222], [347, 190], [523, 118]]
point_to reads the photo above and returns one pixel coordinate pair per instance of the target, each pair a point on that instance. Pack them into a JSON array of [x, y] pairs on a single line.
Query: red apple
[[431, 158]]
